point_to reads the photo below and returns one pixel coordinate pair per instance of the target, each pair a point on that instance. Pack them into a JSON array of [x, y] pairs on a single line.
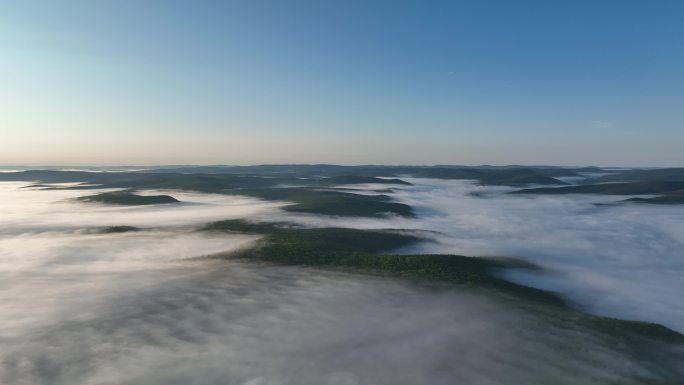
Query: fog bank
[[623, 261], [144, 308]]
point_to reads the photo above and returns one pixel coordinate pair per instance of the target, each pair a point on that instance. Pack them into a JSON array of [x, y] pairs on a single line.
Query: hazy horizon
[[341, 192], [135, 166]]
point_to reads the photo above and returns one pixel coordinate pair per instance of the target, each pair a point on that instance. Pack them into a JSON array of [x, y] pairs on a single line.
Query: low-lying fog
[[30, 210], [621, 260], [82, 307]]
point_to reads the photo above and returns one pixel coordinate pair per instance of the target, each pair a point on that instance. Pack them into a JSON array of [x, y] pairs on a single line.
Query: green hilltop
[[128, 198], [624, 188], [377, 252]]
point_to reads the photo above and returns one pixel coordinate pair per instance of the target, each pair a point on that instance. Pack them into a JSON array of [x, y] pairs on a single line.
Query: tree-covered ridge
[[306, 195], [625, 188], [375, 252], [645, 175], [216, 178], [671, 198], [125, 197], [327, 202]]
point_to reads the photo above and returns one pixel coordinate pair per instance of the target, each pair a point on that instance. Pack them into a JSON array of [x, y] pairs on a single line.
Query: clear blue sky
[[239, 82]]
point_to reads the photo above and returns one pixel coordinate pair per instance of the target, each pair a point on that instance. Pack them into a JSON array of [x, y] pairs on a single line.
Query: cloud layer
[[623, 261], [81, 307], [246, 324], [33, 210]]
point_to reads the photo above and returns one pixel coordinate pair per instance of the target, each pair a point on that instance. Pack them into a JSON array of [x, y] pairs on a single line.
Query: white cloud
[[138, 308], [603, 124], [623, 261]]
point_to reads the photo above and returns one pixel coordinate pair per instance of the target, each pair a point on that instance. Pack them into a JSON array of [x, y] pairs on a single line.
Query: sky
[[354, 82]]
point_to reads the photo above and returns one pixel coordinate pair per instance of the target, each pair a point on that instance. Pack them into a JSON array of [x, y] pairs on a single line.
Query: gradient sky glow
[[284, 81]]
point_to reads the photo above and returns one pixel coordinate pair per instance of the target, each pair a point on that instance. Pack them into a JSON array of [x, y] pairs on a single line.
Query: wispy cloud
[[603, 124]]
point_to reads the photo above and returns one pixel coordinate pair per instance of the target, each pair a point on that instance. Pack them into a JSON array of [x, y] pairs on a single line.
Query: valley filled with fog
[[619, 260], [341, 192], [167, 305]]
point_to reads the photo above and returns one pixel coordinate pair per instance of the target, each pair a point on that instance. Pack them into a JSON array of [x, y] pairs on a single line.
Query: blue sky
[[241, 82]]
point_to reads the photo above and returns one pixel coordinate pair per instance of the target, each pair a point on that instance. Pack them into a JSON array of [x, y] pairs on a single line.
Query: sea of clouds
[[622, 260], [83, 307]]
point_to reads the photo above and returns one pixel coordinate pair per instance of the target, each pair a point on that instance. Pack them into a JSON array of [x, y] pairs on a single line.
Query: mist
[[616, 260], [28, 209], [156, 307]]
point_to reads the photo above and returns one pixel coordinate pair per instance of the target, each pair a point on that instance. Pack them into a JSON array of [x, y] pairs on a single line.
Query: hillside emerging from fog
[[407, 224], [316, 188]]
